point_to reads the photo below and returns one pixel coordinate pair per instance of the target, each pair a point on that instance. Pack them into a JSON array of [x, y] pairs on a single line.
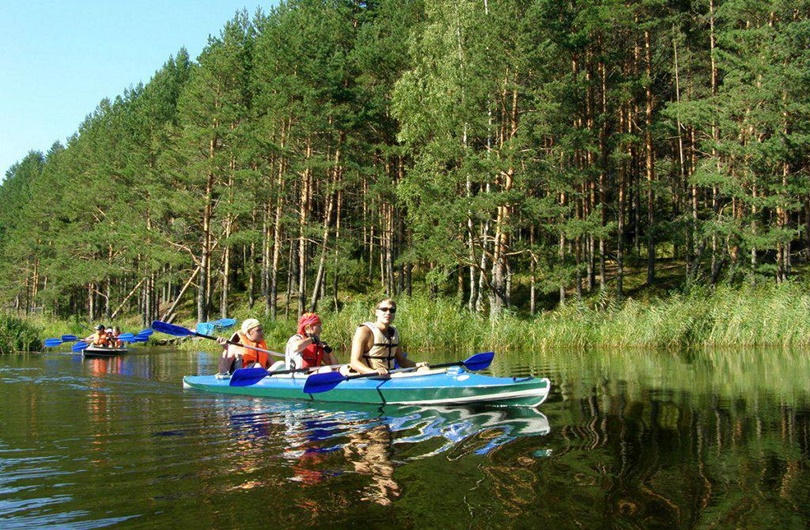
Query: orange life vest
[[252, 356], [100, 338]]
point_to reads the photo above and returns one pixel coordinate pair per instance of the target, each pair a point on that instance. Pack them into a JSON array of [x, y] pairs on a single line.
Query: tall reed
[[771, 316], [17, 335], [725, 317]]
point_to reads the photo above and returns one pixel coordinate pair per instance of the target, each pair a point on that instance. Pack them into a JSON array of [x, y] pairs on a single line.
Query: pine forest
[[507, 154]]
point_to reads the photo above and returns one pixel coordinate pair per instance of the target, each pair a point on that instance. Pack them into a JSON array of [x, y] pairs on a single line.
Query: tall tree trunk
[[226, 278], [561, 248], [204, 291], [621, 214], [303, 243], [715, 259], [227, 228], [473, 299], [274, 261], [107, 297], [327, 219], [649, 149], [533, 273], [483, 265], [336, 253], [91, 305]]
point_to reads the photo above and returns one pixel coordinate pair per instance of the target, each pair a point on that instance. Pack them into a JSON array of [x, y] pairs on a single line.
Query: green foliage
[[472, 150], [18, 335], [761, 316]]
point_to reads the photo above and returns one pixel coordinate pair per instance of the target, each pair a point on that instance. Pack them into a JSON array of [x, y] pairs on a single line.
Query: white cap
[[249, 324]]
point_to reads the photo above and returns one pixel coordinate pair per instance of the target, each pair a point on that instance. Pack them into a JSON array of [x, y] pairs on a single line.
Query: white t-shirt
[[292, 358]]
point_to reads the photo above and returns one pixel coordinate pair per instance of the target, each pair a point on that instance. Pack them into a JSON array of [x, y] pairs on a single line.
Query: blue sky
[[60, 58]]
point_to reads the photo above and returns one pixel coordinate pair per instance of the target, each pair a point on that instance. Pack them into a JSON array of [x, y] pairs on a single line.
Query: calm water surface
[[631, 440]]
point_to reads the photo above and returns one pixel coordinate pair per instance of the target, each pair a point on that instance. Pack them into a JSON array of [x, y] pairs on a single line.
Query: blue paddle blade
[[69, 338], [79, 346], [171, 329], [52, 343], [140, 338], [145, 332], [479, 361], [125, 337], [324, 382], [247, 376]]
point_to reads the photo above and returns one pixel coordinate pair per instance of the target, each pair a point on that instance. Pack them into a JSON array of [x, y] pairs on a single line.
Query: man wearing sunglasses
[[376, 345]]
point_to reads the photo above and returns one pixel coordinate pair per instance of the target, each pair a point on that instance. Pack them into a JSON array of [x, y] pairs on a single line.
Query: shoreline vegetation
[[767, 316], [502, 158]]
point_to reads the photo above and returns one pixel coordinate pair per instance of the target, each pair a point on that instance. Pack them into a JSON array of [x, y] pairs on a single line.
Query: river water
[[625, 440]]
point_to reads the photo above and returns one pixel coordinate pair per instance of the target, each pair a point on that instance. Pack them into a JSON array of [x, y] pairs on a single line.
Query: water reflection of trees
[[719, 441]]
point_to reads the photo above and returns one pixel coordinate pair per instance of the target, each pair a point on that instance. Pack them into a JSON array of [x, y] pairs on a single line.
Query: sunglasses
[[391, 310]]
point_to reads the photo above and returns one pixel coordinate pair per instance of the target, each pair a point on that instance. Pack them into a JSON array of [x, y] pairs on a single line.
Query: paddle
[[79, 346], [317, 383], [179, 331], [52, 343], [251, 376]]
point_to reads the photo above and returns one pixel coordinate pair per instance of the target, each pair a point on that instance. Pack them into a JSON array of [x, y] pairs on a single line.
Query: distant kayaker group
[[105, 337]]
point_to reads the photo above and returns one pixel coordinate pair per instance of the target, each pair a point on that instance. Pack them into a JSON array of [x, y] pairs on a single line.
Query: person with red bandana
[[305, 349]]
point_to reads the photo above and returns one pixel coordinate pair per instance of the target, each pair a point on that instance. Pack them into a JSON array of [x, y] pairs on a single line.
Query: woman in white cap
[[250, 334]]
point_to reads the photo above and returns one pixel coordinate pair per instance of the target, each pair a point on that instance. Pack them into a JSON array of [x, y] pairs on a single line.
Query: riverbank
[[765, 316], [18, 334], [768, 316]]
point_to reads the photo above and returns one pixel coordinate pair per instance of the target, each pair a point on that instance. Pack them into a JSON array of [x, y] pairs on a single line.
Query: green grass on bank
[[769, 315], [773, 316], [18, 334]]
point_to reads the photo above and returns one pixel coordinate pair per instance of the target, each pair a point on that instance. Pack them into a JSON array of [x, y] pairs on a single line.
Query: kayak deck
[[437, 387], [99, 351]]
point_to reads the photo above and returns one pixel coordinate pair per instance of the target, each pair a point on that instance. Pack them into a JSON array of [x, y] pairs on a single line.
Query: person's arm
[[292, 352], [331, 358], [298, 343], [403, 361], [231, 350]]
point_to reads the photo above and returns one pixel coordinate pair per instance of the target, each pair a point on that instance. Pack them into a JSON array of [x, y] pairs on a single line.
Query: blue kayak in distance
[[454, 386]]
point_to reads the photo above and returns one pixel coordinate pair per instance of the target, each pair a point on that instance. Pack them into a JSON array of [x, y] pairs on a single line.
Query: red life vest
[[312, 355], [252, 356]]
